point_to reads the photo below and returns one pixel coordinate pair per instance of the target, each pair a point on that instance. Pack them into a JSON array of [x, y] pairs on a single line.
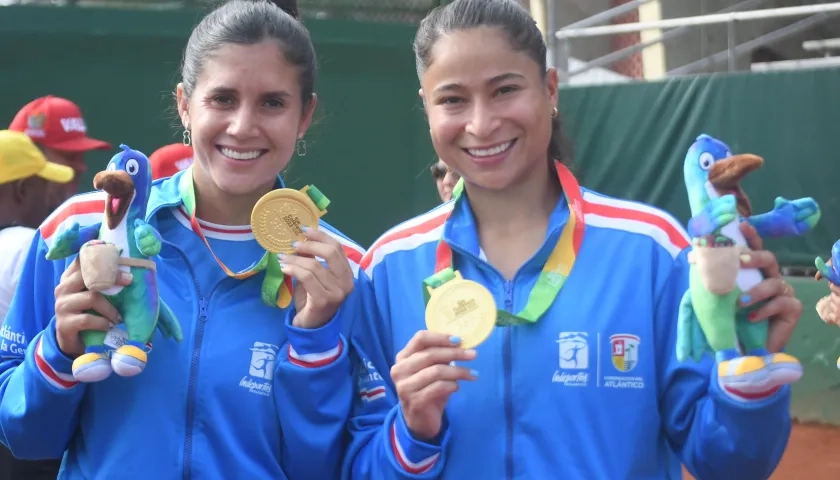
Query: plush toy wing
[[168, 324], [691, 341], [821, 266]]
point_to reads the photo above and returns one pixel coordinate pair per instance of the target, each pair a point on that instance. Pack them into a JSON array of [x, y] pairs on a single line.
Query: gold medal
[[462, 308], [278, 217]]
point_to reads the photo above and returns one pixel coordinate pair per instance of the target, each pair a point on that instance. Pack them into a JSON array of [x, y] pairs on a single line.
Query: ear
[[552, 85], [306, 119], [183, 103], [24, 187]]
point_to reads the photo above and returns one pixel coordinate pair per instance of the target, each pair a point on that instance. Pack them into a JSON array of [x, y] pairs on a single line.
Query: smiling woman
[[245, 100], [586, 292]]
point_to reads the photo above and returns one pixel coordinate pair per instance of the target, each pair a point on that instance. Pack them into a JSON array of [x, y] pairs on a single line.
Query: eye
[[132, 167], [274, 103], [507, 89], [706, 160], [223, 99], [449, 100]]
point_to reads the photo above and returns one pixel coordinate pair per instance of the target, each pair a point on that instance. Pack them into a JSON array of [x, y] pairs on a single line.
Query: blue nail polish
[[745, 299], [295, 244], [304, 228], [455, 340], [474, 373]]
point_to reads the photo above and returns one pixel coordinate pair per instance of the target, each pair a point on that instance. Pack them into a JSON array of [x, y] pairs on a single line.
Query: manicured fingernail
[[745, 299], [745, 258], [474, 373], [304, 228], [128, 277], [281, 256], [295, 244], [455, 340]]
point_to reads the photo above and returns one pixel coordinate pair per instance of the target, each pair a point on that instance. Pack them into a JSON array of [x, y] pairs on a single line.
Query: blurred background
[[641, 79]]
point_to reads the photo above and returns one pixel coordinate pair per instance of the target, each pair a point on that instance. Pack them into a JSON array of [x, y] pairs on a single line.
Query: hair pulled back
[[506, 15], [248, 22]]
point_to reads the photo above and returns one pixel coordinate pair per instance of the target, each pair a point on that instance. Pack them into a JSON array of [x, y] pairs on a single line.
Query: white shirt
[[14, 245]]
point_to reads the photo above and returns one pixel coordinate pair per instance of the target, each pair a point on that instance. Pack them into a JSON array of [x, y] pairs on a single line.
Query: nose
[[483, 120], [243, 124]]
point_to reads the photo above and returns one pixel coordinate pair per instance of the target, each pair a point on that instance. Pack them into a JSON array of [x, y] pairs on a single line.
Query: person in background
[[445, 179], [579, 376], [57, 126], [255, 390], [30, 188], [170, 159]]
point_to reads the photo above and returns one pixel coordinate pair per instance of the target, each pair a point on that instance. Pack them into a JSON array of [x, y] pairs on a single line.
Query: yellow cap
[[20, 158]]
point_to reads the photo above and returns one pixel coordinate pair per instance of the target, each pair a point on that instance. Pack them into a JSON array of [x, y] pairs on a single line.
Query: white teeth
[[490, 151], [240, 155]]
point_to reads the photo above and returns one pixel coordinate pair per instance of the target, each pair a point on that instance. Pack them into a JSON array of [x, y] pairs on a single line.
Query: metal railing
[[819, 13]]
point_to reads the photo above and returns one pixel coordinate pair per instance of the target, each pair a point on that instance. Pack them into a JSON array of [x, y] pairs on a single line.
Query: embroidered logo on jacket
[[261, 369]]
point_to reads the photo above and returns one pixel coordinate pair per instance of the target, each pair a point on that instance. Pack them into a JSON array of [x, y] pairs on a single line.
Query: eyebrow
[[493, 81], [232, 91]]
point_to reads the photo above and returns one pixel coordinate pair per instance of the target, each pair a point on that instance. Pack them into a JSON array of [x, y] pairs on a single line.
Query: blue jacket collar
[[461, 234], [166, 192]]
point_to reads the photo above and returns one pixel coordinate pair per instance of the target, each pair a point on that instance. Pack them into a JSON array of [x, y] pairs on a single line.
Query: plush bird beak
[[120, 188], [726, 175]]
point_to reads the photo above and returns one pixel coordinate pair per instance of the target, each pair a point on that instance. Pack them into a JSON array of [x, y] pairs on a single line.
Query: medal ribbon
[[554, 272], [276, 287]]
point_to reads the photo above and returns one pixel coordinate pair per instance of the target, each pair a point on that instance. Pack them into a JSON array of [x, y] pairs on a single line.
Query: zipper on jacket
[[507, 352], [507, 359], [196, 355]]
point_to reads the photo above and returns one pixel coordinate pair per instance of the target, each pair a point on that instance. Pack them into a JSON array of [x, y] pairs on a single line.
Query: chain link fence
[[394, 11]]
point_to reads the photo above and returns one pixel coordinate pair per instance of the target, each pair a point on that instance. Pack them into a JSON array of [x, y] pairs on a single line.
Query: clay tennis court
[[813, 453]]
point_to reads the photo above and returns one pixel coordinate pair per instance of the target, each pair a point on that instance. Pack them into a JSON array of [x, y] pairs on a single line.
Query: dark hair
[[510, 17], [438, 170], [248, 22]]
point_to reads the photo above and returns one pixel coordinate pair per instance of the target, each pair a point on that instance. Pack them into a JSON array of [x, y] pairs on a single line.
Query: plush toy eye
[[132, 167], [706, 160]]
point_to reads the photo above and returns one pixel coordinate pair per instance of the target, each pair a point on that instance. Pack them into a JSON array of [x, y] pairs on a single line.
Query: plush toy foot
[[129, 360], [92, 367], [784, 369], [746, 377]]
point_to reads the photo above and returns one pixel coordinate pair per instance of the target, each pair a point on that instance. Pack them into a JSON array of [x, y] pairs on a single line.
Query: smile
[[489, 151], [240, 155]]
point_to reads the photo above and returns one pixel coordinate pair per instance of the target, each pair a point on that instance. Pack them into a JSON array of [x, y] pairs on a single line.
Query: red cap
[[56, 123], [170, 159]]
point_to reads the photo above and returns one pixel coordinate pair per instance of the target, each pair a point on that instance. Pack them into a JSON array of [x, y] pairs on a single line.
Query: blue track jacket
[[245, 395], [591, 391]]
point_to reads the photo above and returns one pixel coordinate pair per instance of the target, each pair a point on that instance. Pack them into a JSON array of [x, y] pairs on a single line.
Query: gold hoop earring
[[554, 113]]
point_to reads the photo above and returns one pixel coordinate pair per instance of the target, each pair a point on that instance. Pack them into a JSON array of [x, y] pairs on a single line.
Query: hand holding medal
[[285, 223], [461, 314]]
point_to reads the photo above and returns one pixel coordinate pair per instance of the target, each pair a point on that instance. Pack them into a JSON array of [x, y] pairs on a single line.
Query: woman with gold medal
[[563, 299], [260, 386]]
